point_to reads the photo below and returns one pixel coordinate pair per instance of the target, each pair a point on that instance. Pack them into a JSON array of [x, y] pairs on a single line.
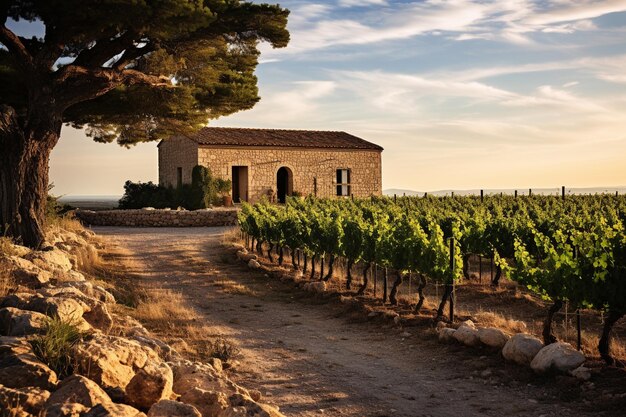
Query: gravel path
[[308, 358]]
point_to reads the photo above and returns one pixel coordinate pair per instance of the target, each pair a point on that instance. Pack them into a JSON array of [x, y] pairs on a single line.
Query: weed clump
[[222, 349], [54, 346]]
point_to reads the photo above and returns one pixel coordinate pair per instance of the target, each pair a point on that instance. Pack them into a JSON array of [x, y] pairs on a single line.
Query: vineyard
[[565, 250]]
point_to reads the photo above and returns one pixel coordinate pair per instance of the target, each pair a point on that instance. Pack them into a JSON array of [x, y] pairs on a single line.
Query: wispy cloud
[[361, 3], [317, 26]]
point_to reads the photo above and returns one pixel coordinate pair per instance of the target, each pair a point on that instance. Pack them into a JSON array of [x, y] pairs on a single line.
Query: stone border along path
[[306, 356], [150, 217]]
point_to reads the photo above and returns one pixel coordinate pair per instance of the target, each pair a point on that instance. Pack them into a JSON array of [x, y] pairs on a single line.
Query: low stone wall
[[159, 218]]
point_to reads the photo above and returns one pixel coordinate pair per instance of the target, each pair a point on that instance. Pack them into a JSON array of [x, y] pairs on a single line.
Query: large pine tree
[[126, 70]]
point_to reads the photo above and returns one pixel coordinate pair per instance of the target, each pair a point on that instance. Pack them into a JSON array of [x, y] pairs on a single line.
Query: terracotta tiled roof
[[227, 136]]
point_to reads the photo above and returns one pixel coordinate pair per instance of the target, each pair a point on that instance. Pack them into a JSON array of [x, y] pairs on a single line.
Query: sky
[[462, 94]]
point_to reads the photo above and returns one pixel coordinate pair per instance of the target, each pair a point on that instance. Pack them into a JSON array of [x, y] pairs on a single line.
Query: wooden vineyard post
[[530, 192], [563, 192], [515, 193], [452, 294], [395, 197], [482, 195]]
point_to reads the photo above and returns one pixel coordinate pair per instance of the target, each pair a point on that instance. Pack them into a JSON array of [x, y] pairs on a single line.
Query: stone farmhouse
[[276, 162]]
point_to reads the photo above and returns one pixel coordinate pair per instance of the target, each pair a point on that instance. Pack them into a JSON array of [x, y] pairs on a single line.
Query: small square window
[[343, 182]]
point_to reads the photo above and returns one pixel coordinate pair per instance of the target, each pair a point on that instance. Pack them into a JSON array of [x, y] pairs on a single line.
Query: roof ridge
[[273, 128], [299, 138]]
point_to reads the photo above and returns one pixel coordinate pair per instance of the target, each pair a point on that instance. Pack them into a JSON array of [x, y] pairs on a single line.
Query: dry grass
[[491, 319], [7, 282], [164, 310], [232, 287], [6, 246], [88, 259], [231, 236], [66, 222]]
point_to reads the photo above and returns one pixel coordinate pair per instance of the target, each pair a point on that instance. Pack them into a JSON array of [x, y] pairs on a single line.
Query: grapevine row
[[570, 249]]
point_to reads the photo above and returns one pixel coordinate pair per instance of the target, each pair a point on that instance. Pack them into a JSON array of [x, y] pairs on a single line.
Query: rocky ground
[[65, 352], [312, 352]]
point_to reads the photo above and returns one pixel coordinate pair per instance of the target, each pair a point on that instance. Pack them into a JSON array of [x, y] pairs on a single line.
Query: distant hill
[[510, 191], [91, 202]]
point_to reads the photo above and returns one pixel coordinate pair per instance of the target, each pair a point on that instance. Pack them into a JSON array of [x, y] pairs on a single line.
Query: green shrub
[[204, 191], [54, 347]]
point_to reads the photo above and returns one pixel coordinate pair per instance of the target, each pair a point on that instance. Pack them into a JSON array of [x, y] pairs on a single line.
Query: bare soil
[[312, 355]]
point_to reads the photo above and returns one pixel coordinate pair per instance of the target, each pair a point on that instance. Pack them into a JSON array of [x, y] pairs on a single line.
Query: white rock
[[16, 322], [254, 264], [317, 286], [582, 373], [467, 334], [558, 356], [80, 390], [150, 385], [50, 260], [446, 335], [492, 337], [169, 408], [27, 273], [521, 348]]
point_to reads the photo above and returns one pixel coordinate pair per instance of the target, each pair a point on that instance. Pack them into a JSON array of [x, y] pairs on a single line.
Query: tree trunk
[[306, 262], [548, 337], [364, 285], [496, 279], [322, 266], [313, 266], [24, 158], [466, 266], [269, 252], [349, 274], [385, 285], [281, 256], [420, 292], [444, 299], [604, 346], [394, 288], [331, 263], [259, 246], [295, 255]]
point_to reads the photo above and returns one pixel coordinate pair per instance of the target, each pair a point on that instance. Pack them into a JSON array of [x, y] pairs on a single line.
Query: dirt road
[[311, 360]]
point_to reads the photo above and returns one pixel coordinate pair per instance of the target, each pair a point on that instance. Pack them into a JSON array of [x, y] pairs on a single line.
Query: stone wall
[[174, 153], [307, 166], [159, 218]]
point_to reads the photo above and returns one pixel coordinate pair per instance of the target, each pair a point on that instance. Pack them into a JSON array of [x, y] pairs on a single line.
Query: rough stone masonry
[[149, 217]]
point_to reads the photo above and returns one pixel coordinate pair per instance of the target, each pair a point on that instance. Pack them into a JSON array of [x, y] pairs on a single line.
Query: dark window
[[179, 177], [343, 182]]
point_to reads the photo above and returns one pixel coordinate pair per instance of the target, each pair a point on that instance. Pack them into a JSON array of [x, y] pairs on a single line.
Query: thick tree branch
[[104, 50], [16, 48], [130, 54], [51, 50], [75, 84]]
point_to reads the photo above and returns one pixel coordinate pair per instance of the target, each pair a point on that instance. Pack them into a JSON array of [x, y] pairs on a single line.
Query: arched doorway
[[284, 184]]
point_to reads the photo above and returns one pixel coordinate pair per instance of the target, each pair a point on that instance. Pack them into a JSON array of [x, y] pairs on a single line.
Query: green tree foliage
[[127, 71]]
